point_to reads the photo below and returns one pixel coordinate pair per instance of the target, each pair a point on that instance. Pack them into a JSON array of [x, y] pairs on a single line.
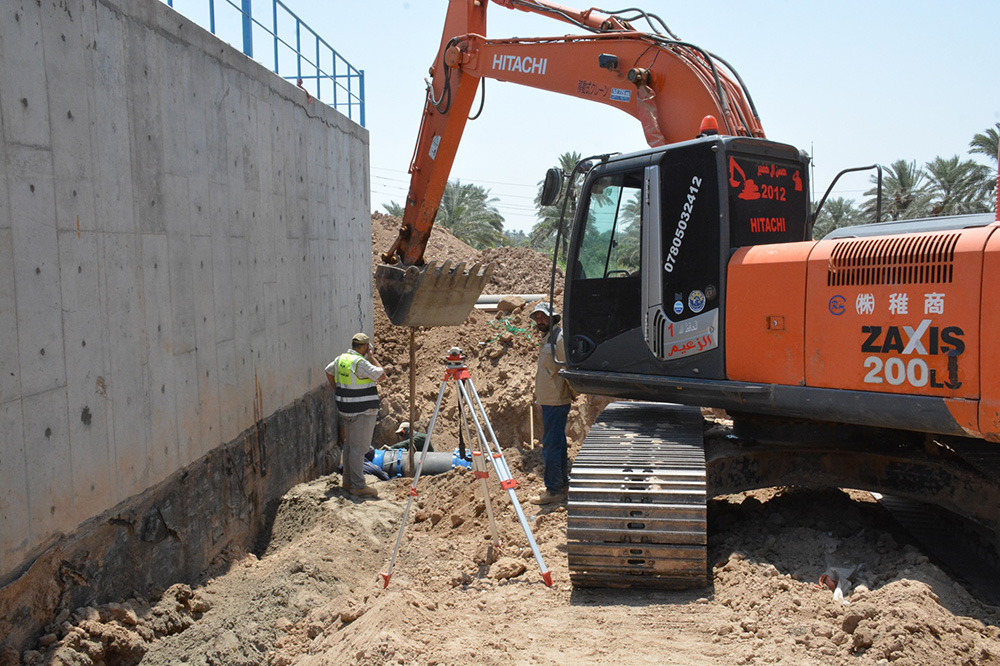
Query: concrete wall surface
[[184, 245]]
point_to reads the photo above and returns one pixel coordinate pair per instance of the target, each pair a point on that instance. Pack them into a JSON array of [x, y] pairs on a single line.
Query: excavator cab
[[652, 238]]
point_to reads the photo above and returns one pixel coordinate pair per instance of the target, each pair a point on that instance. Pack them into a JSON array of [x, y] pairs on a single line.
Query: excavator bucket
[[431, 295]]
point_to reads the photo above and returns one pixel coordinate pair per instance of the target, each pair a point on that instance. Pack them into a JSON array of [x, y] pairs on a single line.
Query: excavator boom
[[668, 85]]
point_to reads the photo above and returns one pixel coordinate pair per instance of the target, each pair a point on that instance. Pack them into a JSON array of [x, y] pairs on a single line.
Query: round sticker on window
[[696, 301], [678, 307]]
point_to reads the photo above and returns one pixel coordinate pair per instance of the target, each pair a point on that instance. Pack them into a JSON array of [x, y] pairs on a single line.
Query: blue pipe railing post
[[248, 28], [333, 77], [361, 95], [298, 49], [274, 15]]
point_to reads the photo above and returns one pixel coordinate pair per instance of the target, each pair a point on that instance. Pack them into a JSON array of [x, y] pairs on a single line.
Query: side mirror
[[552, 186]]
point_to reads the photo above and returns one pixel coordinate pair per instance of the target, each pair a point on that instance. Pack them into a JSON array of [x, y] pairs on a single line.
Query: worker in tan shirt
[[554, 394]]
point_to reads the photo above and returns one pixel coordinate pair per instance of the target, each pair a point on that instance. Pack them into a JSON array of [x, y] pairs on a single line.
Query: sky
[[852, 83]]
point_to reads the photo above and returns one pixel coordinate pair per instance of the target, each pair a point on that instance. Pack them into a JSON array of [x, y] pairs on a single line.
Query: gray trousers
[[358, 431]]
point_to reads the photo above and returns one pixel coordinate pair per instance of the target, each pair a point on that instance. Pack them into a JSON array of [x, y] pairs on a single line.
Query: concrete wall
[[182, 234]]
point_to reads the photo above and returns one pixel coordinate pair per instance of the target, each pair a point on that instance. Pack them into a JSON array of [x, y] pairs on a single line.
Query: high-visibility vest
[[354, 394]]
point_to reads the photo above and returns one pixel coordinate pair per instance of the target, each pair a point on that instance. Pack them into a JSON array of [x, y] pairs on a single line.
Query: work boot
[[363, 491], [549, 498]]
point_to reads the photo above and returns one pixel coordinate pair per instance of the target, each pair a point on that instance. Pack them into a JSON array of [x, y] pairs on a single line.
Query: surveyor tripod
[[457, 371]]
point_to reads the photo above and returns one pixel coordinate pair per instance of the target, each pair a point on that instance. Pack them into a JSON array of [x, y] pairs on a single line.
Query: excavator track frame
[[640, 486], [637, 500]]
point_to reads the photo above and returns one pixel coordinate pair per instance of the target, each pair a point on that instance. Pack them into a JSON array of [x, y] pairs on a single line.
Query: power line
[[521, 215], [401, 192], [474, 181], [387, 183]]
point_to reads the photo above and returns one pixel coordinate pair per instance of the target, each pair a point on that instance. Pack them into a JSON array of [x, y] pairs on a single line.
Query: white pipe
[[491, 299]]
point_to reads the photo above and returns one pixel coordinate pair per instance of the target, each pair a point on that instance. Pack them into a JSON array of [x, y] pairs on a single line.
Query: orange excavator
[[868, 359], [666, 84]]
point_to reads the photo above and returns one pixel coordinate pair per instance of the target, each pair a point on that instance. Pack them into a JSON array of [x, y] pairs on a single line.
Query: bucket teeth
[[458, 278], [434, 295]]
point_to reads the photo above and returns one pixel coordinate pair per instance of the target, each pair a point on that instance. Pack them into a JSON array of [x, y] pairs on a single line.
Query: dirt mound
[[441, 244], [771, 549], [520, 270], [315, 596]]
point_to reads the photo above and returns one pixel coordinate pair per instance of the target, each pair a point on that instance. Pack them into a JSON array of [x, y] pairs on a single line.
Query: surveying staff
[[554, 394], [353, 375]]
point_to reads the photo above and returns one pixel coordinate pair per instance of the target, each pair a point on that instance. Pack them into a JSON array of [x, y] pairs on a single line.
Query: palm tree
[[958, 187], [838, 212], [393, 208], [469, 212], [515, 238], [543, 234], [629, 233], [904, 192], [987, 143]]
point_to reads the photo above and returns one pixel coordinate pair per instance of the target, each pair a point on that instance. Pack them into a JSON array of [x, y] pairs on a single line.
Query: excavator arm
[[666, 84]]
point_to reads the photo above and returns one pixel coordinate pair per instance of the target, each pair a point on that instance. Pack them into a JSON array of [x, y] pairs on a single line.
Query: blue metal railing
[[323, 73]]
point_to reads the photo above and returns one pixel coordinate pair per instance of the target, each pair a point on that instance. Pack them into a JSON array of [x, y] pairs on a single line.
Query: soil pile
[[313, 595], [521, 270]]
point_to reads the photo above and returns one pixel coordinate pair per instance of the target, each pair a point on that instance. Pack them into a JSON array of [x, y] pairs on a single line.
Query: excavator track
[[637, 500]]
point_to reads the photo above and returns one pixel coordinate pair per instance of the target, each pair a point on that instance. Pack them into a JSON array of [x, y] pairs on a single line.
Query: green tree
[[393, 208], [515, 238], [543, 234], [836, 213], [905, 193], [986, 143], [630, 238], [469, 212], [958, 187]]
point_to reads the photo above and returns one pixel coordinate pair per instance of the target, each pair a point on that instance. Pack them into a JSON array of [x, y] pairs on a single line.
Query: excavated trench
[[310, 591]]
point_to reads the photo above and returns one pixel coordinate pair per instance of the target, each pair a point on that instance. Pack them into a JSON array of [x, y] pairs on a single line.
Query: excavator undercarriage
[[637, 500], [641, 482]]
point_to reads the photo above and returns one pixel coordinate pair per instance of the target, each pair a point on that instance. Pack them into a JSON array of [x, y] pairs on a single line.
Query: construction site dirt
[[311, 593]]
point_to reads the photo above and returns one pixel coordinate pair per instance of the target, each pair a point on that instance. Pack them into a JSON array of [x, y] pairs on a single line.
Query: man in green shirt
[[403, 435]]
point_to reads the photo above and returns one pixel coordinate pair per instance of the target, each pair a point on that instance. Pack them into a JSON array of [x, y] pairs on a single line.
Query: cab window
[[610, 244]]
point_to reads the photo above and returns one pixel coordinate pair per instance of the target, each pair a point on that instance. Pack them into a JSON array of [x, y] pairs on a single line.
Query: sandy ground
[[312, 594]]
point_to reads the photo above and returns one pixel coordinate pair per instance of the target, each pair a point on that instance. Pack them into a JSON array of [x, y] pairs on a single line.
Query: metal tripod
[[457, 370]]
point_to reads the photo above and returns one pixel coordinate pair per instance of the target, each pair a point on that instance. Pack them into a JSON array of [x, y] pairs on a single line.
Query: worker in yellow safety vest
[[353, 375]]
